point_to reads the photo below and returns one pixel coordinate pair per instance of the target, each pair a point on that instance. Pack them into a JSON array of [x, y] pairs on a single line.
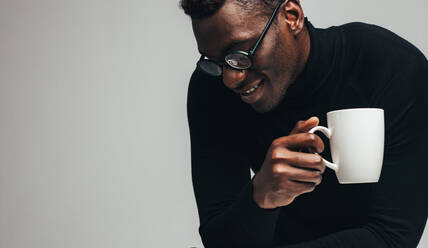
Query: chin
[[267, 105], [264, 106]]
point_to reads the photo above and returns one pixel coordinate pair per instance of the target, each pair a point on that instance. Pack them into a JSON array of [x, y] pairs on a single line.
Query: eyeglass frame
[[249, 54]]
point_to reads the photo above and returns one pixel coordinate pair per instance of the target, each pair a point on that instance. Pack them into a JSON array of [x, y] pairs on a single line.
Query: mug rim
[[355, 109]]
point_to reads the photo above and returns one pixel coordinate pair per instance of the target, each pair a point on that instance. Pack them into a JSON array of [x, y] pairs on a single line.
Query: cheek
[[285, 58], [265, 56]]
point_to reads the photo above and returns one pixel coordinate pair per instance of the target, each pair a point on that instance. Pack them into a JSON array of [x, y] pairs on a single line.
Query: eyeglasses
[[238, 60]]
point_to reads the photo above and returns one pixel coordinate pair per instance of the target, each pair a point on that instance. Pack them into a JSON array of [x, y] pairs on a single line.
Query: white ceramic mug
[[356, 143]]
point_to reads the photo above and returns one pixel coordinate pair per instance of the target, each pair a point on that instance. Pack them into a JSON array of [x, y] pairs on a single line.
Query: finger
[[308, 161], [298, 174], [302, 124], [311, 181], [305, 126], [300, 140], [301, 187]]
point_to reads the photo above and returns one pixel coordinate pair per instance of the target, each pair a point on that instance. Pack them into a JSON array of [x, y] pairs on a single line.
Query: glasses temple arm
[[266, 28]]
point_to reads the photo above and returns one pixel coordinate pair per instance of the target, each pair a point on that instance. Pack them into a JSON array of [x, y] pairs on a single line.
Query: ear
[[294, 16]]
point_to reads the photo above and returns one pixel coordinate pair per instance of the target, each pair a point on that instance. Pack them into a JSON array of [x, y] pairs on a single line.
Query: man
[[264, 69]]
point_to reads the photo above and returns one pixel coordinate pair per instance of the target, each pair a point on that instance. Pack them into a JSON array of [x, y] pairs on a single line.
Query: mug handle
[[326, 132]]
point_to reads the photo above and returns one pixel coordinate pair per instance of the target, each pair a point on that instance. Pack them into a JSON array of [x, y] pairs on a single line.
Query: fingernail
[[312, 118]]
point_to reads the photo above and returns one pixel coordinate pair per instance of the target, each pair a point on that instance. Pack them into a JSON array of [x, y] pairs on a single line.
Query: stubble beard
[[286, 75], [283, 80]]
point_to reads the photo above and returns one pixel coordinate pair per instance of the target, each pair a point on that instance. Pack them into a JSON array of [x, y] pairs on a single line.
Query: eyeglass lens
[[210, 67]]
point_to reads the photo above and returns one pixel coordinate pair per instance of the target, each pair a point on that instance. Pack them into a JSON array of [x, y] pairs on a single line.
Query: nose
[[233, 78]]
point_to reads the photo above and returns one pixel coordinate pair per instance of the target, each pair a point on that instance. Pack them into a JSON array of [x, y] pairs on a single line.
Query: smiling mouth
[[250, 91]]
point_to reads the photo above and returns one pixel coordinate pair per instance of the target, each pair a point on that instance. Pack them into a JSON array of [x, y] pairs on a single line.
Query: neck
[[304, 41]]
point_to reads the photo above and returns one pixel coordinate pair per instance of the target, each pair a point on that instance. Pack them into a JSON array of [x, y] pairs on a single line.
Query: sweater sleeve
[[228, 215], [399, 203], [398, 209]]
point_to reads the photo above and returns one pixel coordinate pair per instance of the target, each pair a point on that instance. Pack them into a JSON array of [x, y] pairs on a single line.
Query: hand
[[286, 173]]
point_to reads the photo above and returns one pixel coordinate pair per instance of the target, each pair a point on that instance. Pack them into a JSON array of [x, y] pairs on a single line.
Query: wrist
[[261, 198]]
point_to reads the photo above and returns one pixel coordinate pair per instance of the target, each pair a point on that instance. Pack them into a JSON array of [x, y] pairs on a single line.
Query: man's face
[[276, 63]]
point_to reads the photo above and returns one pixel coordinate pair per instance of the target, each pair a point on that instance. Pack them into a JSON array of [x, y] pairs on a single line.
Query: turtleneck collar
[[309, 93], [304, 91]]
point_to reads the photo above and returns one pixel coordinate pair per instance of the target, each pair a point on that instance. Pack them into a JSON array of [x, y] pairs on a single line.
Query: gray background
[[94, 143]]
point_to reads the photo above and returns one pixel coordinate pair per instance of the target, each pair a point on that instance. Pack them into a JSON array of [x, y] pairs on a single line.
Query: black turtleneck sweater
[[351, 66]]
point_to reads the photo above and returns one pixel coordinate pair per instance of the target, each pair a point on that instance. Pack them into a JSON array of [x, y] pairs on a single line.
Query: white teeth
[[252, 89]]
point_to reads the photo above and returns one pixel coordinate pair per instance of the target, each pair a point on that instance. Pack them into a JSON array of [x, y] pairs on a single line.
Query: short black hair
[[199, 9]]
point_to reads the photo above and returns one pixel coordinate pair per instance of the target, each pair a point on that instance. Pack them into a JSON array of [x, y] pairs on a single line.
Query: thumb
[[305, 126]]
